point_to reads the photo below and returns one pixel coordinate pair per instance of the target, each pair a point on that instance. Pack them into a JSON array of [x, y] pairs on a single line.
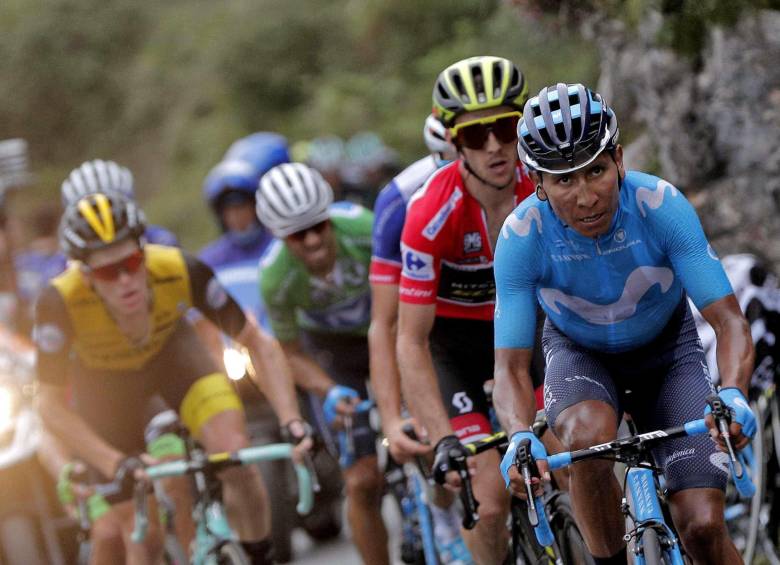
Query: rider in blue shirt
[[610, 255], [230, 190]]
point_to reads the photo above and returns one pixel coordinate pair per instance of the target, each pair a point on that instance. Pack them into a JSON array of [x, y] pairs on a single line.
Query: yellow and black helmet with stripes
[[98, 220], [478, 83]]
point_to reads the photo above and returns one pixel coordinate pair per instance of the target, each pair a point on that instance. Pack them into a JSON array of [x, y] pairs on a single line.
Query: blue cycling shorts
[[661, 384]]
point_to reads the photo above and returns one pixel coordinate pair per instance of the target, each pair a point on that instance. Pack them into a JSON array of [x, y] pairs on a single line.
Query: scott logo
[[462, 402]]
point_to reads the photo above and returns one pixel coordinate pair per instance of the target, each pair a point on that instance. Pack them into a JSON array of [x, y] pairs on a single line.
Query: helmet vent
[[498, 79], [479, 83], [459, 87]]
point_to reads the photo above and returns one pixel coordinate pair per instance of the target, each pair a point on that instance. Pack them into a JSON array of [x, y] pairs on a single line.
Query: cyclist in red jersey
[[447, 290]]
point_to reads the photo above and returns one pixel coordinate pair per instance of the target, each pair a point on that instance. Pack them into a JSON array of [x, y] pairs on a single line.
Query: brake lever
[[523, 462]]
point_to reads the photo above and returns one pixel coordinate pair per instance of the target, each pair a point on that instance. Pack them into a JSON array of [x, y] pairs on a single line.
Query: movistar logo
[[522, 226], [641, 280], [652, 198]]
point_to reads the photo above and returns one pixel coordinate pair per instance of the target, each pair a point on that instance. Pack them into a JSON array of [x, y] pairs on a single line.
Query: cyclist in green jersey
[[315, 287]]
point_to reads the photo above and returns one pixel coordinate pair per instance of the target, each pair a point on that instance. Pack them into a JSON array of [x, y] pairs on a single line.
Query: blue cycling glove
[[336, 394], [738, 404], [537, 451]]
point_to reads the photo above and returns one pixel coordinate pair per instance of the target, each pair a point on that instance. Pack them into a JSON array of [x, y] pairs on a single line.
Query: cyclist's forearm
[[385, 378], [274, 377], [420, 387], [513, 393], [308, 374], [77, 435], [735, 354]]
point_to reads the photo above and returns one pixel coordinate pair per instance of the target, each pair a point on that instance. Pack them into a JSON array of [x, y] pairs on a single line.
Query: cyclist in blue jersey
[[610, 255], [230, 189]]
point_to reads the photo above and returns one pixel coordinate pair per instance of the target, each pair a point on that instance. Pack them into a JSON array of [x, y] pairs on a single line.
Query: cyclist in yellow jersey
[[118, 314]]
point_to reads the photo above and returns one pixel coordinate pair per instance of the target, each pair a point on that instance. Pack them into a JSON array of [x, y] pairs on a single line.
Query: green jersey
[[337, 304]]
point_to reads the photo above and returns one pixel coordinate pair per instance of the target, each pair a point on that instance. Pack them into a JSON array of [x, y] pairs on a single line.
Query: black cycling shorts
[[662, 384], [183, 374], [464, 358], [345, 359]]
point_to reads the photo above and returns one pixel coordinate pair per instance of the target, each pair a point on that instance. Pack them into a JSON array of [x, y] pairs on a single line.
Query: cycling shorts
[[464, 358], [345, 359], [662, 384], [183, 374]]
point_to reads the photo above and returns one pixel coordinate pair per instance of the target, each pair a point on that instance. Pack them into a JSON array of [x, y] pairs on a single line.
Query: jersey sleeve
[[516, 269], [273, 289], [52, 335], [421, 252], [389, 216], [682, 237], [212, 299]]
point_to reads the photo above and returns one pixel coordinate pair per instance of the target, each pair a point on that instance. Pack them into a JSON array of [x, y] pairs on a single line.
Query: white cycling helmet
[[95, 176], [291, 198], [435, 135]]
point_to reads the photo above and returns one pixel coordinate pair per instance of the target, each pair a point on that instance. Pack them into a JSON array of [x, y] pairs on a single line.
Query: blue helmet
[[264, 150], [230, 176]]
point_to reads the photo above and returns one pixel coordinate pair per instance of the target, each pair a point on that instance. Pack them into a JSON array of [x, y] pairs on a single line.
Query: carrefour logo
[[416, 264]]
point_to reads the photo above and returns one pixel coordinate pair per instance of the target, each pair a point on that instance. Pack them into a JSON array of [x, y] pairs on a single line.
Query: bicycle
[[407, 485], [215, 542], [753, 527], [652, 538], [554, 540]]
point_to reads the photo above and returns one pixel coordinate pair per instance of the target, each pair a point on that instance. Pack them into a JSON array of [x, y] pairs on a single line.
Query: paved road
[[342, 551]]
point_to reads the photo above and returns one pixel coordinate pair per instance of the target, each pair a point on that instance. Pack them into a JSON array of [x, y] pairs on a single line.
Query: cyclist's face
[[239, 217], [315, 247], [127, 293], [586, 199], [496, 160]]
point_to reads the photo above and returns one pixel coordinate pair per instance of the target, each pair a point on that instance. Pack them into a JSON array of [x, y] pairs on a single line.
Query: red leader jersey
[[446, 252]]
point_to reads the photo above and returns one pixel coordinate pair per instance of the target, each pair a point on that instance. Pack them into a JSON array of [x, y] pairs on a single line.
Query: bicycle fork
[[648, 514]]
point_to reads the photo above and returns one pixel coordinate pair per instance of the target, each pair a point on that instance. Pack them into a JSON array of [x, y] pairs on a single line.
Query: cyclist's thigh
[[462, 352], [187, 378], [688, 462], [345, 359], [573, 374]]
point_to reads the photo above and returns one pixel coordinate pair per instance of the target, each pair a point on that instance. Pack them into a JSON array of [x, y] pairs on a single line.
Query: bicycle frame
[[212, 528], [641, 481]]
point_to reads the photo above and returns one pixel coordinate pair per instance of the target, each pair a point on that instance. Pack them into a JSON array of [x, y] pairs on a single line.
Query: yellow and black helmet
[[477, 83], [98, 220]]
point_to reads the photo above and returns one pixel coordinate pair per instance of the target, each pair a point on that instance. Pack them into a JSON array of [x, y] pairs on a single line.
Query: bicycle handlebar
[[216, 462]]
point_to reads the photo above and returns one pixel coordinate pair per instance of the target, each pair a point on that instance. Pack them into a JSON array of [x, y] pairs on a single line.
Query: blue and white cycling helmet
[[235, 177], [95, 176], [264, 150], [565, 127]]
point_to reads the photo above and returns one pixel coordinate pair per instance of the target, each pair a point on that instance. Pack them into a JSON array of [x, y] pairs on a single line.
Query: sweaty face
[[315, 247], [496, 161], [587, 199], [127, 294]]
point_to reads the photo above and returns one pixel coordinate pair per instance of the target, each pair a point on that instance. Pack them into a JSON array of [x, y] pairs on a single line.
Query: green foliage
[[165, 87]]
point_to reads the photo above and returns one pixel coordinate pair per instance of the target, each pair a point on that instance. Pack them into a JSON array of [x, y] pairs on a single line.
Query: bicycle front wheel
[[651, 547], [570, 544]]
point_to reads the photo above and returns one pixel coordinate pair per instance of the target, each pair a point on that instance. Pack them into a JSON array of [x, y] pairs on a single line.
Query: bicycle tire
[[569, 540], [231, 553], [759, 479], [651, 547]]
